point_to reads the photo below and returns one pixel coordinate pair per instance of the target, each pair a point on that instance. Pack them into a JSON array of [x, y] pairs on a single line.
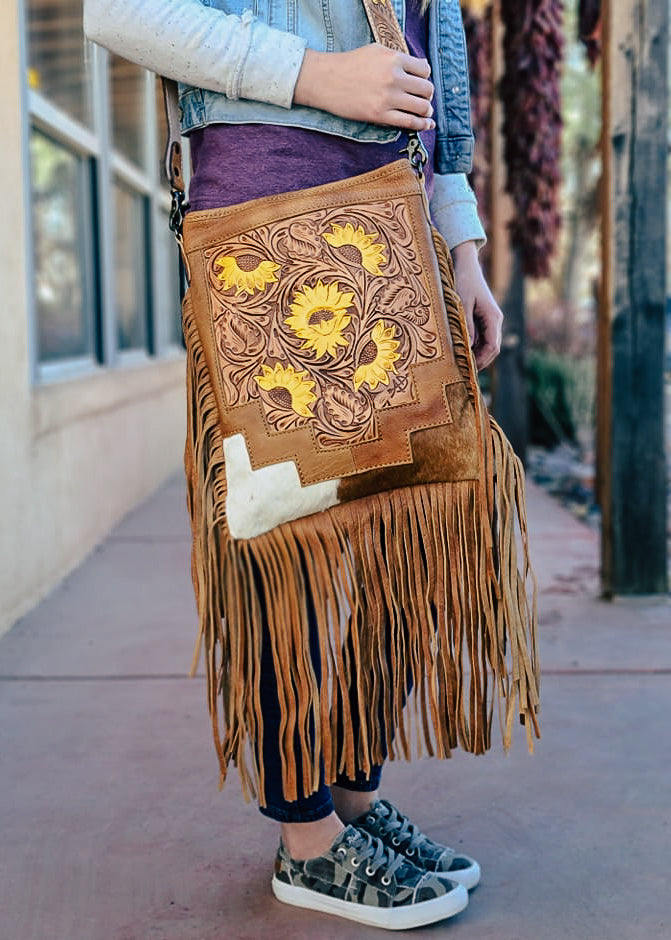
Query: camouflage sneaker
[[363, 880], [387, 823]]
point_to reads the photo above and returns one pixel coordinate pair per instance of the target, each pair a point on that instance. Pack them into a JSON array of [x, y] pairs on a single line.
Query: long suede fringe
[[421, 597]]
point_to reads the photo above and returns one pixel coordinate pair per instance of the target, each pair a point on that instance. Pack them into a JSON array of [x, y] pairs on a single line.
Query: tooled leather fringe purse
[[339, 454]]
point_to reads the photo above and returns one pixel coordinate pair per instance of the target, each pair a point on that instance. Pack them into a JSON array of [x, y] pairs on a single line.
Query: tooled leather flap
[[323, 324]]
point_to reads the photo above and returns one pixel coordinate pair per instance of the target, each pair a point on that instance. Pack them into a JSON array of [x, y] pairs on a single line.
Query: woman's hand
[[483, 315], [371, 84]]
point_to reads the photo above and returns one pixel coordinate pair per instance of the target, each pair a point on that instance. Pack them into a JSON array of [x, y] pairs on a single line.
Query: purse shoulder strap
[[386, 30], [384, 24]]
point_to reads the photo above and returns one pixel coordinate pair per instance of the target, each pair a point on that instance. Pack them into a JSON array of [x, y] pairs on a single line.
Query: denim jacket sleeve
[[238, 56], [454, 210]]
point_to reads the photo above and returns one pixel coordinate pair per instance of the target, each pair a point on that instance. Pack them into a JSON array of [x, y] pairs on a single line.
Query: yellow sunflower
[[319, 316], [357, 246], [247, 272], [288, 388], [377, 358]]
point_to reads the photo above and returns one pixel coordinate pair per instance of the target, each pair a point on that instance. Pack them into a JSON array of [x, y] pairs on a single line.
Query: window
[[129, 110], [130, 266], [106, 271], [58, 65], [61, 191]]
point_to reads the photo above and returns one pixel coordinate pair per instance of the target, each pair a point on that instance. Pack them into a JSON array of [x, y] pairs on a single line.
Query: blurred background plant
[[562, 309]]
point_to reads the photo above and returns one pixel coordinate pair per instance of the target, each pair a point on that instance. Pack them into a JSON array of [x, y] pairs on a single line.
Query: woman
[[291, 96]]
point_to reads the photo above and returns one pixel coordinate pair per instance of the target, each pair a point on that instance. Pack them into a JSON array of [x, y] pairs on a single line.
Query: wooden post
[[632, 467]]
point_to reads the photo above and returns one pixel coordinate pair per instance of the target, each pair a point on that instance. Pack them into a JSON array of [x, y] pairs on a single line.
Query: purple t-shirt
[[234, 163]]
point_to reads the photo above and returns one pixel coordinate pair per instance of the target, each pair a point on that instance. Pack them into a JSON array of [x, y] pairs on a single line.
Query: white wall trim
[[57, 406]]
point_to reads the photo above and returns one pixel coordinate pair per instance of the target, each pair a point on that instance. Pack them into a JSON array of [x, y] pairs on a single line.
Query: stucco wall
[[77, 455]]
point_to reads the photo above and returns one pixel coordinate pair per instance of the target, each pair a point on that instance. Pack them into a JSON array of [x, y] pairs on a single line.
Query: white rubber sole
[[389, 918], [468, 877]]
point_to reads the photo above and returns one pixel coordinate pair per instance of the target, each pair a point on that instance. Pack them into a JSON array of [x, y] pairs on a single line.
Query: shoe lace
[[402, 830], [377, 855]]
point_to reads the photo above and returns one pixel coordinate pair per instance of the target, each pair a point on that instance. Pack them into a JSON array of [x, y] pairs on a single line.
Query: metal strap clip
[[176, 217], [417, 155]]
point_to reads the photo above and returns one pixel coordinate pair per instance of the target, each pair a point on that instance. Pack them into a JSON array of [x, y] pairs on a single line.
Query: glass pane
[[176, 336], [130, 269], [129, 117], [168, 301], [60, 193], [57, 55]]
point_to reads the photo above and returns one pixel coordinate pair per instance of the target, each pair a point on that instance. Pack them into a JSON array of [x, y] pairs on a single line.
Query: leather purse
[[339, 455]]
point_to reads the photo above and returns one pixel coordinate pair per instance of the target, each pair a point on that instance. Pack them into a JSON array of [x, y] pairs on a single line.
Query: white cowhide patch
[[258, 500]]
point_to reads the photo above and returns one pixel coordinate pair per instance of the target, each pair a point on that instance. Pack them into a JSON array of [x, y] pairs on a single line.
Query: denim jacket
[[238, 61]]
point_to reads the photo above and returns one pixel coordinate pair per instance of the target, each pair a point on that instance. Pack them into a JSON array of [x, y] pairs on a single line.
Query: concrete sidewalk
[[112, 827]]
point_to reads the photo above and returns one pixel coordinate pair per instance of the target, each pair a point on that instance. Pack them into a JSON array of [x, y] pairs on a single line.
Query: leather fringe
[[420, 595]]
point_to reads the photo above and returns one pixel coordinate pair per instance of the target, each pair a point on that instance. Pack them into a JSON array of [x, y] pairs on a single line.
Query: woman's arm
[[483, 315], [454, 211], [241, 57], [238, 56]]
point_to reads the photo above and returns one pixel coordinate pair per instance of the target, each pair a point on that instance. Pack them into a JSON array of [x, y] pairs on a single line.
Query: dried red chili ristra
[[531, 94], [478, 30]]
